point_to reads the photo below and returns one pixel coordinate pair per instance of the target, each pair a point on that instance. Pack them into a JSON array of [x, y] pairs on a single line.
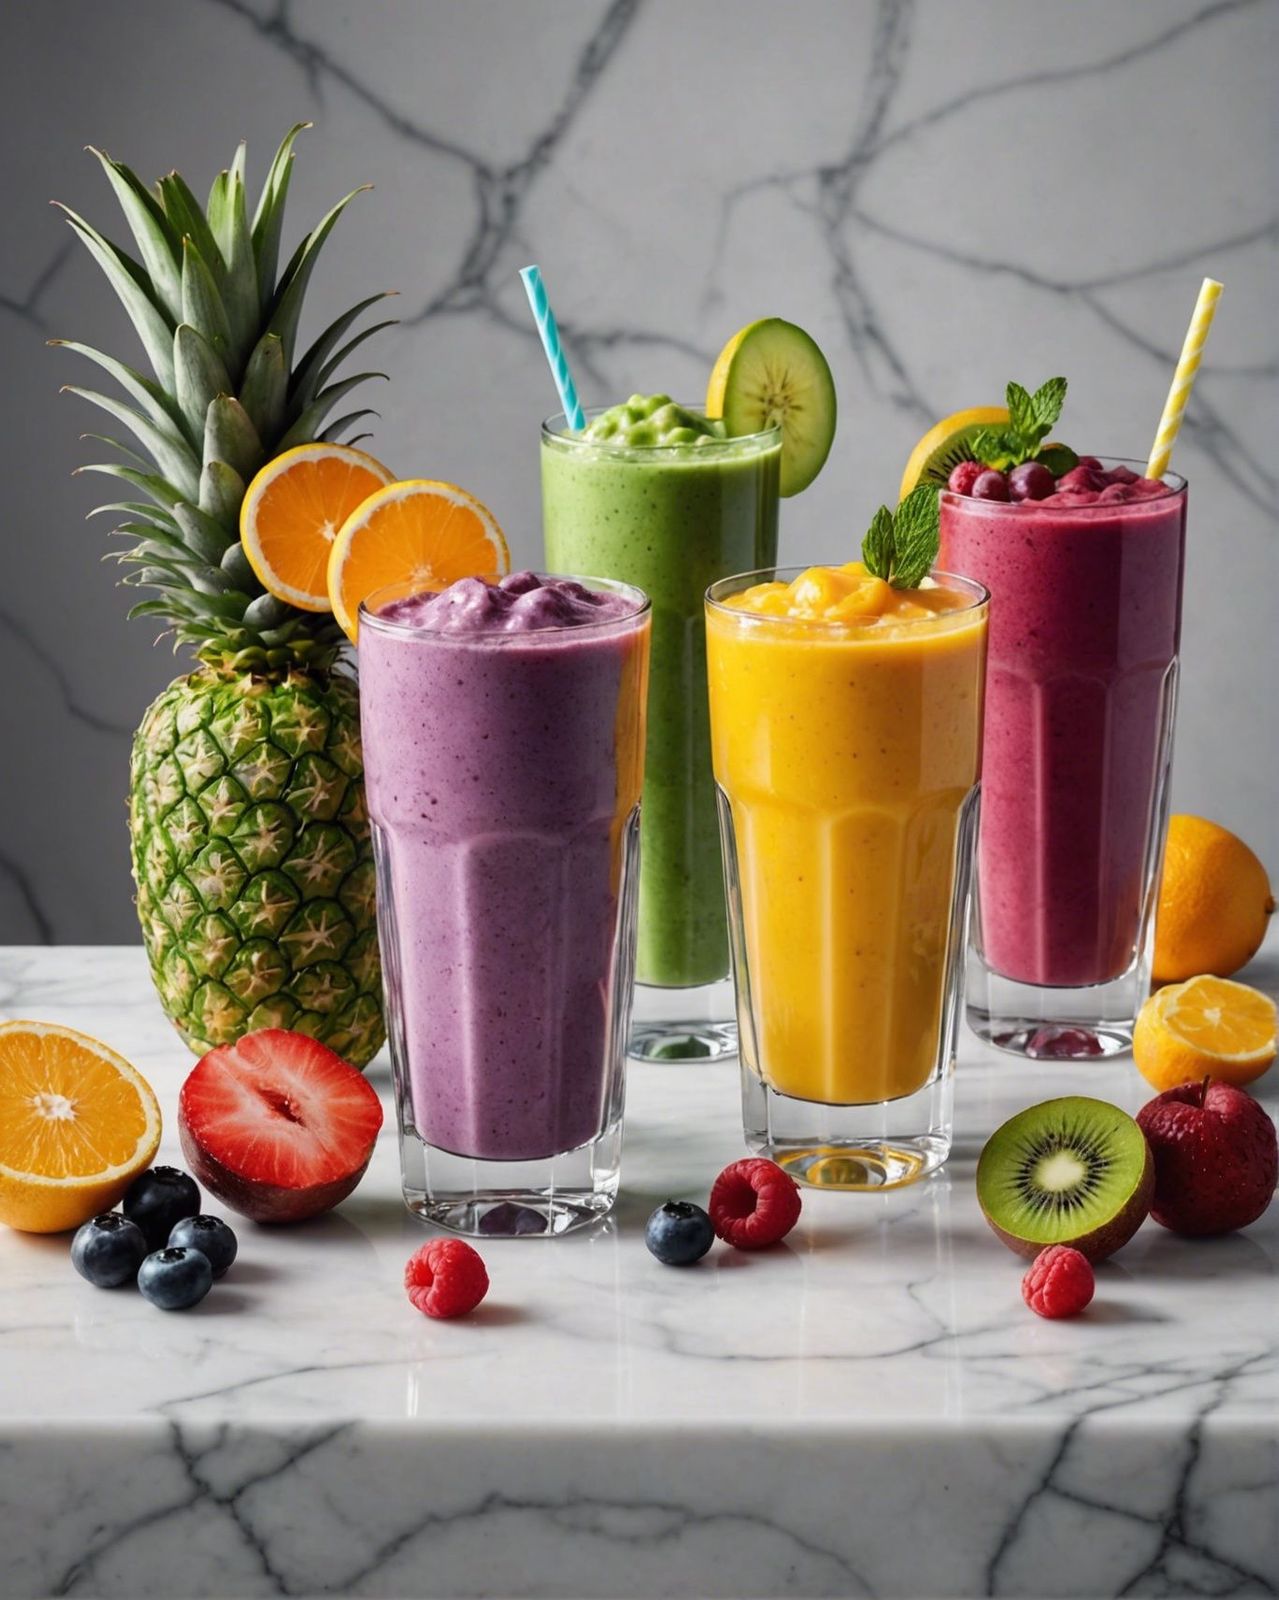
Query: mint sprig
[[901, 546], [1031, 418]]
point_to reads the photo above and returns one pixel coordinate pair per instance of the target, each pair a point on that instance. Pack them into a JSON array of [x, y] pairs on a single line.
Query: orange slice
[[292, 511], [1205, 1027], [945, 445], [420, 534], [77, 1125]]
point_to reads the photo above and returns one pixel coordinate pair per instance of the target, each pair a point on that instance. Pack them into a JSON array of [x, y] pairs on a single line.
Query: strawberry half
[[277, 1126]]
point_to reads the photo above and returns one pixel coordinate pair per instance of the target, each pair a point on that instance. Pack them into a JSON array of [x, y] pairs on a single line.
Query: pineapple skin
[[250, 840], [252, 858]]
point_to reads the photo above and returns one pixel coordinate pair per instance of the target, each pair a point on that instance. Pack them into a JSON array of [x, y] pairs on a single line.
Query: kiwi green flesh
[[779, 377], [943, 461], [1072, 1171]]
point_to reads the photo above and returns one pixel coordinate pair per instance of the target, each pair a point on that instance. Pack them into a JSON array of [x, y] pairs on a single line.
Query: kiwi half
[[1071, 1171]]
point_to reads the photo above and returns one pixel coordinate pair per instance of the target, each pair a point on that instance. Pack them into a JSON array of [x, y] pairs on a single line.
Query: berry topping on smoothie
[[519, 603], [646, 420], [1030, 484], [996, 452], [1004, 458]]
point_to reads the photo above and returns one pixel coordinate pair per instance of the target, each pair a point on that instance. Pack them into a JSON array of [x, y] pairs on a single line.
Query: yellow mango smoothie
[[846, 738]]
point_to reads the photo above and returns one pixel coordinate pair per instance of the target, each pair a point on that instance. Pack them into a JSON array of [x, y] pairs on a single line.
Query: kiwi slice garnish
[[947, 443], [1071, 1171], [956, 449], [773, 375]]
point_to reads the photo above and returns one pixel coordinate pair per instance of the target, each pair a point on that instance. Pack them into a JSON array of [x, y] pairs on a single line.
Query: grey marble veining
[[868, 1410], [946, 194]]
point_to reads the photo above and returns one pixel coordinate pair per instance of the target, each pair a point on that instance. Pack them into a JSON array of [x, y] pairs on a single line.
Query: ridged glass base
[[1050, 1024], [511, 1199], [881, 1146], [697, 1024]]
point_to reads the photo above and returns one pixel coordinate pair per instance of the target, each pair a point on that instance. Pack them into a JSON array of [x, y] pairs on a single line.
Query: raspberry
[[753, 1204], [1060, 1282], [963, 475], [445, 1278]]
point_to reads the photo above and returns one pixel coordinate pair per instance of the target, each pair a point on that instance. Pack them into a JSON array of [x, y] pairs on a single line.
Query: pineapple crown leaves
[[218, 322]]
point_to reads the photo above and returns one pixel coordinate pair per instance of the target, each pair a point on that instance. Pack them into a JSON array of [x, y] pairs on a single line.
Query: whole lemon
[[1214, 900]]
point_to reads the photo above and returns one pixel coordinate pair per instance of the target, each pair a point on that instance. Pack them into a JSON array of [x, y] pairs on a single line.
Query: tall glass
[[671, 519], [847, 758], [1080, 700], [504, 774]]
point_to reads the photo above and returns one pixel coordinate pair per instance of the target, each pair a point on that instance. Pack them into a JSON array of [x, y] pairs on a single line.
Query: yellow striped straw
[[1183, 378]]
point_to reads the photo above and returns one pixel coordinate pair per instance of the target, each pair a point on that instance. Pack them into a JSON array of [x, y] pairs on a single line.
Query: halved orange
[[292, 511], [77, 1125], [1205, 1027], [420, 534], [944, 445]]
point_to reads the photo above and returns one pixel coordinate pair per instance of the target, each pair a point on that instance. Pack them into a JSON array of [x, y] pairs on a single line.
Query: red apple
[[1216, 1157]]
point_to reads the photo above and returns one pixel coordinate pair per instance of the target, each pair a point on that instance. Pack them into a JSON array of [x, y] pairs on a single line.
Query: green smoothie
[[657, 496]]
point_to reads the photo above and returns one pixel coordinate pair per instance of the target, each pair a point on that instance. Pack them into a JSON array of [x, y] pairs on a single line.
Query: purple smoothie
[[503, 735], [1085, 618]]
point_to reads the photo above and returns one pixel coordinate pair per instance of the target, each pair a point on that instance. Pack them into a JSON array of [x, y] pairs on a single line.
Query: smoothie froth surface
[[849, 595], [519, 603], [646, 420]]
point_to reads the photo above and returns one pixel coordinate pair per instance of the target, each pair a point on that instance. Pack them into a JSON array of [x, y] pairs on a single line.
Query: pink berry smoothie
[[503, 729], [1085, 619]]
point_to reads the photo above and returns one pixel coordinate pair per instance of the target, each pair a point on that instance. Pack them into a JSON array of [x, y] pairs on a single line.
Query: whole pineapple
[[250, 838]]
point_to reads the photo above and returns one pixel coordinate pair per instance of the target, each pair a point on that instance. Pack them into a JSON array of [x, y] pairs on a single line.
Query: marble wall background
[[947, 193]]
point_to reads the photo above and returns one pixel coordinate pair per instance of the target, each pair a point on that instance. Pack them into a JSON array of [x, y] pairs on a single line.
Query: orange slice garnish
[[77, 1125], [292, 511], [420, 534]]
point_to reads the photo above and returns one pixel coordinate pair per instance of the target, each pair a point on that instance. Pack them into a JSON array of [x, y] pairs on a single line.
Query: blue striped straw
[[545, 319]]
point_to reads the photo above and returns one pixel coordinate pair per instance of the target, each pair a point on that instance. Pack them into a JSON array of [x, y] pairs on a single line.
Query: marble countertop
[[868, 1409]]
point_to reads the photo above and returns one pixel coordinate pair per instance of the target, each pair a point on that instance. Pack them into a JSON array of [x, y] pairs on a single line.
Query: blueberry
[[1031, 481], [211, 1237], [108, 1250], [679, 1233], [990, 485], [175, 1278], [158, 1200]]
